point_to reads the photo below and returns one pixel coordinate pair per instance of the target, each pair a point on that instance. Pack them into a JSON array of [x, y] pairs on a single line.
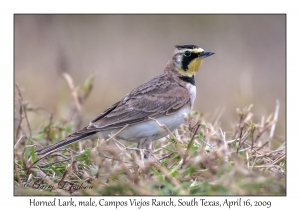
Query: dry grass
[[197, 159]]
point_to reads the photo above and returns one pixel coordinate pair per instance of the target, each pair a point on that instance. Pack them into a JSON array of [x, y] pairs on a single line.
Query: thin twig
[[279, 159], [245, 149], [243, 118], [162, 147], [247, 159], [74, 92], [262, 146], [245, 136], [277, 150], [190, 143], [29, 178], [20, 120], [240, 139], [49, 128], [167, 129], [254, 161], [112, 158], [117, 143], [19, 140], [77, 100], [59, 161], [265, 128], [67, 171], [271, 164], [252, 137], [274, 124], [119, 131], [223, 138], [23, 107], [206, 144], [166, 156], [219, 116]]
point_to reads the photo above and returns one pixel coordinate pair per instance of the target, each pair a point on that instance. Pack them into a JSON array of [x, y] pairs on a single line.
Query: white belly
[[150, 129]]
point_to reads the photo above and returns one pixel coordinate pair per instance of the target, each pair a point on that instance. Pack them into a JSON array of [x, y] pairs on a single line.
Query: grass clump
[[197, 159]]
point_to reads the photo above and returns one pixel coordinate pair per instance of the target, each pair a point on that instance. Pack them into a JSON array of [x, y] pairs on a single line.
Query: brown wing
[[160, 96]]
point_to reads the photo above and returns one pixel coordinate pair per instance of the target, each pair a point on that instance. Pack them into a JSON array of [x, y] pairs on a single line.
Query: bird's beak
[[205, 54]]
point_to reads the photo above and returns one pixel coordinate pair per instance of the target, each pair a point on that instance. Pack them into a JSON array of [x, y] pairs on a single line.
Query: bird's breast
[[192, 90]]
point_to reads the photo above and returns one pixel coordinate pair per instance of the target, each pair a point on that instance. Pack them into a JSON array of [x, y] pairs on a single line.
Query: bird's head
[[187, 59]]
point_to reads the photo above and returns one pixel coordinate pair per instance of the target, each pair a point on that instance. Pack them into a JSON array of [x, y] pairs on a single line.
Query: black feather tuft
[[186, 46]]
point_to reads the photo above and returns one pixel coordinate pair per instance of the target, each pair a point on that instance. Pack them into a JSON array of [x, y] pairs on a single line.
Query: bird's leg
[[145, 146]]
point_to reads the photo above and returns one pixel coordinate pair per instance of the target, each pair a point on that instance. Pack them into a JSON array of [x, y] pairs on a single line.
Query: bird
[[166, 99]]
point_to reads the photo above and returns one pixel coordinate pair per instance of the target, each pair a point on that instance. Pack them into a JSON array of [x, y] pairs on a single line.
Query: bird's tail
[[79, 135]]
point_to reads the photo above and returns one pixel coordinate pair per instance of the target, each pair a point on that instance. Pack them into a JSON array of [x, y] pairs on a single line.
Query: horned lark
[[168, 98]]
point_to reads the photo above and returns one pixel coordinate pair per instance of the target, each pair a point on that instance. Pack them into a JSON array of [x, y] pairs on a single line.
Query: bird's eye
[[187, 53]]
